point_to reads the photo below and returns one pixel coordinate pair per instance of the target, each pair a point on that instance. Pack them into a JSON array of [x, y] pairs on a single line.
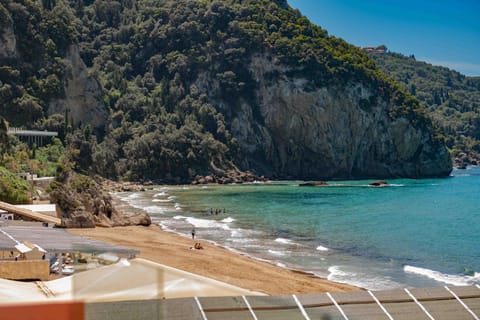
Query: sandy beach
[[212, 261]]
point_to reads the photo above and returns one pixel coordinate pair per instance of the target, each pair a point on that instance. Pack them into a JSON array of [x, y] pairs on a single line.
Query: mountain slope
[[200, 87], [452, 99]]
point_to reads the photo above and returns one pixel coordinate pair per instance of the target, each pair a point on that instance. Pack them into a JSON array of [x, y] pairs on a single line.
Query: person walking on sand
[[193, 233]]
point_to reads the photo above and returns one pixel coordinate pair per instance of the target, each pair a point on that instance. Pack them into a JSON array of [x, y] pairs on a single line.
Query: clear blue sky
[[441, 32]]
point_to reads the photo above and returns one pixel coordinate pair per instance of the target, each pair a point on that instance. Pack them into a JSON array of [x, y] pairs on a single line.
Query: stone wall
[[25, 270]]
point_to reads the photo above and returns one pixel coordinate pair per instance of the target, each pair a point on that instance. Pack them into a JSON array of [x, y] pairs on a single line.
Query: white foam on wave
[[161, 194], [236, 234], [155, 209], [161, 200], [322, 248], [335, 272], [360, 278], [205, 223], [172, 197], [276, 252], [281, 265], [237, 238], [456, 280], [130, 199], [135, 195], [284, 241], [228, 220]]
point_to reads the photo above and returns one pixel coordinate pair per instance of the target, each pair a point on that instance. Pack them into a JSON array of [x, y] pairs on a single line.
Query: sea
[[410, 233]]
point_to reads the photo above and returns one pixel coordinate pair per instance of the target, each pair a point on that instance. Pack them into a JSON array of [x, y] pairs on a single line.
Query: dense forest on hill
[[171, 76], [451, 98]]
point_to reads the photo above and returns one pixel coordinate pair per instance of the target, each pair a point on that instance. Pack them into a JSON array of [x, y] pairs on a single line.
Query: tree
[[4, 139]]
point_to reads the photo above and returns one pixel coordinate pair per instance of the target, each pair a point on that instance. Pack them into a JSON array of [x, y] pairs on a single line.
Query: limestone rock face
[[83, 204], [8, 42], [339, 131], [83, 95]]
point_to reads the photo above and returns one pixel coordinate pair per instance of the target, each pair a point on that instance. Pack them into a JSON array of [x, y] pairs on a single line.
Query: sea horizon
[[411, 233]]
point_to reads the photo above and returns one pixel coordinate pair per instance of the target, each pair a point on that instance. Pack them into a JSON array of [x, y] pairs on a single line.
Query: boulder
[[82, 203], [313, 184], [381, 183]]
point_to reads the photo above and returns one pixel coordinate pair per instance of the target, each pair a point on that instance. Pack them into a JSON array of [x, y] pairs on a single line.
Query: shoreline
[[214, 261]]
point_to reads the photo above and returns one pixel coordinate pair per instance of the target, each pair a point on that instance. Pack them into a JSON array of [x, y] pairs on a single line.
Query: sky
[[441, 32]]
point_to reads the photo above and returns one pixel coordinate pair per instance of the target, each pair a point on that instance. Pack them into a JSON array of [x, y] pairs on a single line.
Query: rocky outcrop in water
[[236, 177]]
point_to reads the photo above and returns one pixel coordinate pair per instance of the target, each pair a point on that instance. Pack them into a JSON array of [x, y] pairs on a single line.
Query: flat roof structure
[[461, 303], [442, 303], [56, 240]]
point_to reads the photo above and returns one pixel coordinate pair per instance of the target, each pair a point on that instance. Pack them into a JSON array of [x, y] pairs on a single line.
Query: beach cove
[[212, 261], [411, 233]]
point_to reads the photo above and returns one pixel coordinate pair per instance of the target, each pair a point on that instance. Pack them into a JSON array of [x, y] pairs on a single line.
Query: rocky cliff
[[340, 131], [7, 42], [83, 95]]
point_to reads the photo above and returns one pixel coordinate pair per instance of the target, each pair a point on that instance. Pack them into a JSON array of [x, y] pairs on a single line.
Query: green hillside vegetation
[[41, 161], [452, 100], [150, 57], [13, 189]]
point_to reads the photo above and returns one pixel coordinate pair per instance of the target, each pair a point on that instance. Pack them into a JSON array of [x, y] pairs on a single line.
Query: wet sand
[[213, 261]]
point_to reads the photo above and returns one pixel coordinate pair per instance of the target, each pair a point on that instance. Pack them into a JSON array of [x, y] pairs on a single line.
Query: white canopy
[[135, 279]]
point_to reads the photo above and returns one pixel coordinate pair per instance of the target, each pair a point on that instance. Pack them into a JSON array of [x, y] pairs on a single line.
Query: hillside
[[452, 100], [172, 90]]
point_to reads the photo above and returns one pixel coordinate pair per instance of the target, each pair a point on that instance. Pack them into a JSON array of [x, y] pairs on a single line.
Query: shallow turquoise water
[[412, 233]]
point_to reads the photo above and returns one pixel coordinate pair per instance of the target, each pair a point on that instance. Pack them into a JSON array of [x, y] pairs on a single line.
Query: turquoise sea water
[[412, 233]]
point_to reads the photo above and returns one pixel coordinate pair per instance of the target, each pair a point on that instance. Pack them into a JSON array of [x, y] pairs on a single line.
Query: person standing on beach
[[193, 233]]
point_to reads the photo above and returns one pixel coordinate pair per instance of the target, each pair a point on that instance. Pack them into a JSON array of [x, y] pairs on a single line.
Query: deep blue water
[[412, 233]]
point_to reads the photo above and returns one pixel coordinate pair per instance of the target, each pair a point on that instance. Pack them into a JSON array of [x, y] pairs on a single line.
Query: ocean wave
[[161, 200], [236, 233], [155, 209], [228, 220], [203, 223], [284, 241], [160, 194], [322, 248], [336, 272], [130, 197], [237, 238], [361, 278], [276, 252], [456, 280]]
